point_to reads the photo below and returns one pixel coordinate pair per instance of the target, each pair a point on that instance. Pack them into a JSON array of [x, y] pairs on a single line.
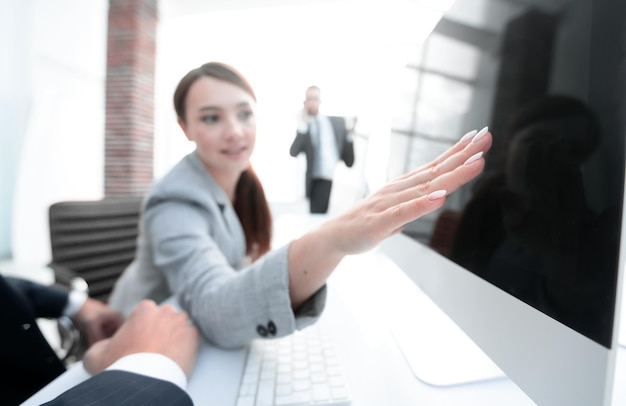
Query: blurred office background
[[86, 91]]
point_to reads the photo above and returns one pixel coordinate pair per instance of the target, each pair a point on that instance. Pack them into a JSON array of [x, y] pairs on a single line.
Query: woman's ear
[[183, 126]]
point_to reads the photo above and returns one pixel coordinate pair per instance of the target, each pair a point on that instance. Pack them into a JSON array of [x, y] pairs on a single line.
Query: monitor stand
[[438, 352], [622, 324], [622, 329]]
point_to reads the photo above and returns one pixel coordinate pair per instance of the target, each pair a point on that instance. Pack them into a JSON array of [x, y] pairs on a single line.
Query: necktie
[[317, 146]]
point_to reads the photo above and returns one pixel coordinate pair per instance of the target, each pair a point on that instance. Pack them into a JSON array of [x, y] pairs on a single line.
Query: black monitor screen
[[543, 221]]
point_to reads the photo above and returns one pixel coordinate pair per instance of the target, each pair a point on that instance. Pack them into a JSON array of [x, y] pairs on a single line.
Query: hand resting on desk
[[96, 320], [141, 364], [151, 329]]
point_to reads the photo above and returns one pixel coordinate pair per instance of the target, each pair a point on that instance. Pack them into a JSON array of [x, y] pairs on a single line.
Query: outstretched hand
[[314, 256], [412, 195]]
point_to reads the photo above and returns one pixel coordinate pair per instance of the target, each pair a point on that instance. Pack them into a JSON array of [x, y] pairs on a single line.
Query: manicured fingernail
[[437, 194], [480, 134], [468, 136], [473, 158]]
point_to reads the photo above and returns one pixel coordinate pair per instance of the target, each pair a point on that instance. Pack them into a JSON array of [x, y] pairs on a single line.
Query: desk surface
[[359, 311]]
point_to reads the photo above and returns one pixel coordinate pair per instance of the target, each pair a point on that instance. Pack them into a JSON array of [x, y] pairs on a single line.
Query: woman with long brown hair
[[206, 226]]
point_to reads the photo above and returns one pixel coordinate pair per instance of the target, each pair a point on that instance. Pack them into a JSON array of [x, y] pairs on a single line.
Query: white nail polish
[[480, 134], [473, 158], [468, 136], [437, 194]]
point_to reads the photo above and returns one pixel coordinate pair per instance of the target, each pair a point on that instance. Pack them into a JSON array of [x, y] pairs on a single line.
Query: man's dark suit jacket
[[122, 388], [27, 362], [304, 143]]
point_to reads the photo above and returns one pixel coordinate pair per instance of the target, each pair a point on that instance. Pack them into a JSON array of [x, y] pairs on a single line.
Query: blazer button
[[271, 328], [261, 330]]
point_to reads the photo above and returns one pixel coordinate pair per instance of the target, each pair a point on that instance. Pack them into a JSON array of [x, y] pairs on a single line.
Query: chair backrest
[[94, 240]]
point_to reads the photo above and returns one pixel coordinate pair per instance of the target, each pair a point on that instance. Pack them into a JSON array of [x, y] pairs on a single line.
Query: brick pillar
[[129, 122]]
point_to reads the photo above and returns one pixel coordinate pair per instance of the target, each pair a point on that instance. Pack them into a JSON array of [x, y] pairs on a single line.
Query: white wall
[[51, 115], [14, 103]]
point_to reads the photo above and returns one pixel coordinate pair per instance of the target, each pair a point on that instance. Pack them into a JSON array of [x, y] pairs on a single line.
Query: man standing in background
[[325, 140]]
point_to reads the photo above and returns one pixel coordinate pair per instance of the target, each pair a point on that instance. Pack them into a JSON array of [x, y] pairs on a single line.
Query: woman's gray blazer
[[191, 244]]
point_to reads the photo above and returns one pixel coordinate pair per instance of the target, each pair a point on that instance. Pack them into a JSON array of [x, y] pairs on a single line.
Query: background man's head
[[312, 100]]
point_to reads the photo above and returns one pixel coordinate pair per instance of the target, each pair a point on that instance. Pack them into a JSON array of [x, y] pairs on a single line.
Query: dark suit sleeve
[[299, 143], [347, 152], [123, 388], [43, 300], [347, 146], [27, 361]]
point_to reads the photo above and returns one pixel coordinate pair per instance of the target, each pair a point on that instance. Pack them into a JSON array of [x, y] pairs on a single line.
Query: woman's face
[[220, 119]]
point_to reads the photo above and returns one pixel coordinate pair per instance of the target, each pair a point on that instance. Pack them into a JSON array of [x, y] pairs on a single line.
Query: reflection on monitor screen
[[542, 224]]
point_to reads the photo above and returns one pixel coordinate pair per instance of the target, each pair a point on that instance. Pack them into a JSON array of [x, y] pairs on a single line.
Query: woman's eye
[[211, 118], [245, 115]]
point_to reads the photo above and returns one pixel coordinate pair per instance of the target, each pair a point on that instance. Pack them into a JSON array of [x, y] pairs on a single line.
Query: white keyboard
[[300, 369]]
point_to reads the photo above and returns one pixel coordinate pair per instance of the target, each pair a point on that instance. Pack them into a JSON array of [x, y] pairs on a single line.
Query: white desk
[[359, 308]]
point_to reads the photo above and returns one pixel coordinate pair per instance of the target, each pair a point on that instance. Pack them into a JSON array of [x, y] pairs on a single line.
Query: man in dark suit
[[325, 141], [146, 362], [27, 361]]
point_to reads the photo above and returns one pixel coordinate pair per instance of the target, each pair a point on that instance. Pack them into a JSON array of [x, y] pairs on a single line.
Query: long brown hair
[[250, 203]]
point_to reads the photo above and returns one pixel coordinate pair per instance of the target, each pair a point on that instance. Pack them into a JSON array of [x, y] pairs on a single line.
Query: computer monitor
[[527, 259]]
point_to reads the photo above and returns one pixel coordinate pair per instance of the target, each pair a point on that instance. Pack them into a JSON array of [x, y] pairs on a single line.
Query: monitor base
[[622, 323], [438, 352]]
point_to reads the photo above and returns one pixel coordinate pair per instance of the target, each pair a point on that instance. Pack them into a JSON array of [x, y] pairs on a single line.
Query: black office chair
[[92, 243]]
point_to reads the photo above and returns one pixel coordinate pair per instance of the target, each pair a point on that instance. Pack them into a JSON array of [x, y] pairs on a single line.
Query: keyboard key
[[295, 399], [265, 394]]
